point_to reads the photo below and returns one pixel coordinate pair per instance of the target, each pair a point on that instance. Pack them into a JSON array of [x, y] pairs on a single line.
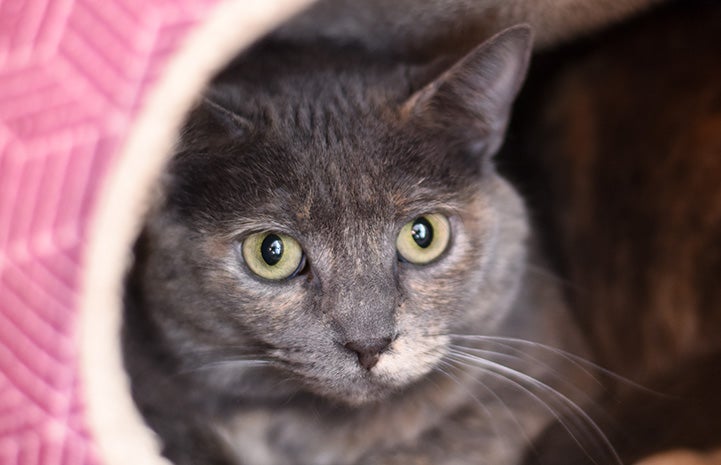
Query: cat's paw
[[683, 458]]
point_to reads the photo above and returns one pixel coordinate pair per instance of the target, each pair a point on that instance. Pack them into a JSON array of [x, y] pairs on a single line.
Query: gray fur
[[339, 149]]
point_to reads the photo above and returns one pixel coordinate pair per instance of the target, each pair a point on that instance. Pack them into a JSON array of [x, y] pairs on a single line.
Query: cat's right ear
[[214, 123], [230, 122], [471, 101]]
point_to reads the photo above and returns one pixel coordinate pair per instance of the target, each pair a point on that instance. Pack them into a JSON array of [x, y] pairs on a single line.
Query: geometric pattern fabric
[[73, 74]]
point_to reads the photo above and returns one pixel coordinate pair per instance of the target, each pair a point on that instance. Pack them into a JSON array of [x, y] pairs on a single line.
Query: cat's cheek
[[409, 359], [274, 309]]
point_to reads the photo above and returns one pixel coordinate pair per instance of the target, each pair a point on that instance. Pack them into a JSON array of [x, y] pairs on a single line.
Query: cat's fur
[[427, 27], [339, 148]]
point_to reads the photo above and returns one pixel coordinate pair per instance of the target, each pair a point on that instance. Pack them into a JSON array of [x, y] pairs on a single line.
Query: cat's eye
[[424, 239], [273, 255]]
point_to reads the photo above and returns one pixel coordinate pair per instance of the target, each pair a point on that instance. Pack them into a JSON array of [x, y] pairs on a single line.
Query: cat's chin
[[356, 388], [365, 389], [359, 394]]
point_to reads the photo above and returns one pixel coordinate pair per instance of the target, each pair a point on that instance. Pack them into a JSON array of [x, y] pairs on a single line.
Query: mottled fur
[[339, 148]]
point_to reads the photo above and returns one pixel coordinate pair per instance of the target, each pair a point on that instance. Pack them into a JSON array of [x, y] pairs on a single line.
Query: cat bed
[[91, 94]]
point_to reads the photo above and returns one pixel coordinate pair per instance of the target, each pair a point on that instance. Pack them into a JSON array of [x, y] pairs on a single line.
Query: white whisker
[[235, 363], [483, 406], [546, 273], [488, 367], [547, 368], [516, 377], [580, 362], [472, 395]]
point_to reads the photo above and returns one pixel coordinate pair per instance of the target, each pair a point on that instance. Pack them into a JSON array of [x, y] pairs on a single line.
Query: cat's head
[[334, 220]]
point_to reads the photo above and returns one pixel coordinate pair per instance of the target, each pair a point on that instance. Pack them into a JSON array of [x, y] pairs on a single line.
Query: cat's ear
[[213, 122], [225, 119], [472, 99]]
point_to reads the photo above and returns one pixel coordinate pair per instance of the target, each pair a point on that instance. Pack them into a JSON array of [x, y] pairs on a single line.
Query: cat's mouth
[[402, 365]]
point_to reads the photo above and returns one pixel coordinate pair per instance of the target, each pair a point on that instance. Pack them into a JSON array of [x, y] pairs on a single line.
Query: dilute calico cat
[[335, 273]]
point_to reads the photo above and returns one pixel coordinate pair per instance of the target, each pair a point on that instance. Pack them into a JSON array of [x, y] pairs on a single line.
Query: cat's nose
[[369, 350]]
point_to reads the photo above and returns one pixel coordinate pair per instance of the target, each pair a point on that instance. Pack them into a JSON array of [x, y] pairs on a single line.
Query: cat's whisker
[[488, 369], [221, 353], [548, 369], [547, 273], [580, 362], [507, 410], [470, 393], [554, 413], [518, 379], [231, 363], [575, 359]]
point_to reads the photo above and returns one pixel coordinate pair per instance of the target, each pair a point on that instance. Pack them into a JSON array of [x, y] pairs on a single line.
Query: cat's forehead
[[288, 77], [372, 179], [366, 165], [372, 173], [325, 138]]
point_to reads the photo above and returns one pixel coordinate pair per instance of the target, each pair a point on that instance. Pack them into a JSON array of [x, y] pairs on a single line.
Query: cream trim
[[114, 422]]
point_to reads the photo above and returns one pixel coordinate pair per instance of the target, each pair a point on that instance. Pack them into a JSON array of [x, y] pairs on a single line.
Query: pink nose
[[369, 351]]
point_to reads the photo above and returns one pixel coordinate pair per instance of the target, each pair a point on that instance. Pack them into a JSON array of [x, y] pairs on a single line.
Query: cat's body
[[363, 354]]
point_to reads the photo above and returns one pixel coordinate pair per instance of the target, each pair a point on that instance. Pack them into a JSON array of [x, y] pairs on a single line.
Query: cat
[[427, 28], [621, 135], [334, 272]]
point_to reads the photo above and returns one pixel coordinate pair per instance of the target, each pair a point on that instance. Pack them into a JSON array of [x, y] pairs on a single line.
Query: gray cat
[[335, 273]]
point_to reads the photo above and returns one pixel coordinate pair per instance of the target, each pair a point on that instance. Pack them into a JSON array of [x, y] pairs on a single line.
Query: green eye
[[272, 255], [424, 239]]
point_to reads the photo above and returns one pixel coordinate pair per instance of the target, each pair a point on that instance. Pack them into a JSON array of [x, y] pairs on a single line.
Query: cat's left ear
[[472, 100]]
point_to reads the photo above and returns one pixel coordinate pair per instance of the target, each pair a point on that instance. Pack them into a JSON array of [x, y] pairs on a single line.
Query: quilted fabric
[[73, 73]]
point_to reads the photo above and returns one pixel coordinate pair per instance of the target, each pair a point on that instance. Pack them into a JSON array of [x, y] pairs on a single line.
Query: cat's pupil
[[422, 232], [272, 249]]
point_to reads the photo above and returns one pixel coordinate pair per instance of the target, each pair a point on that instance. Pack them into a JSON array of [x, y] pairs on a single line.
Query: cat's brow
[[405, 211], [244, 226], [411, 208]]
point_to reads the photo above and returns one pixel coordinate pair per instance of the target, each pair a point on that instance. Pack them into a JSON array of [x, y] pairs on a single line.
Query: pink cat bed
[[91, 93]]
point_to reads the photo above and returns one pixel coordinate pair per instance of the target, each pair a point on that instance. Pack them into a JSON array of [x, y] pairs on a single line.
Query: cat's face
[[336, 227]]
